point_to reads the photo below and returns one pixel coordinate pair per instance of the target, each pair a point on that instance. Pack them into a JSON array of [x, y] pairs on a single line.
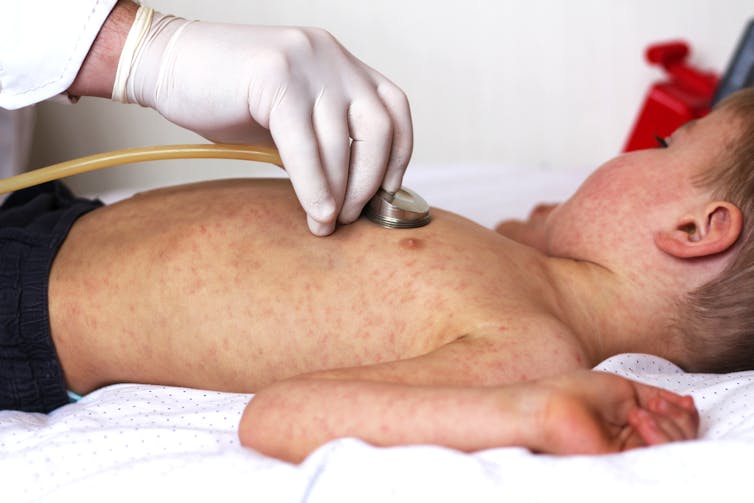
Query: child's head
[[673, 221], [678, 223], [642, 214], [716, 320]]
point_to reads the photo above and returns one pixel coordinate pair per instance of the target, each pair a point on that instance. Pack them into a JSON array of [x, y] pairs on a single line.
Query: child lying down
[[450, 334]]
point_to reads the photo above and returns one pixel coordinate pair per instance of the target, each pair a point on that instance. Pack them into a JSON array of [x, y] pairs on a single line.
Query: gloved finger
[[292, 130], [320, 228], [371, 128], [331, 128], [398, 107]]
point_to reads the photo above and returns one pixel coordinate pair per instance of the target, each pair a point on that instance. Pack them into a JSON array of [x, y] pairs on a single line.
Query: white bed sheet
[[137, 441], [133, 441]]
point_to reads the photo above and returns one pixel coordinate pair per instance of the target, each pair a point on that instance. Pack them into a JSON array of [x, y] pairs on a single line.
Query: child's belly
[[221, 285]]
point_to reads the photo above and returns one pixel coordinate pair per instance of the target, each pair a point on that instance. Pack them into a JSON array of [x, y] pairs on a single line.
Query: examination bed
[[132, 441]]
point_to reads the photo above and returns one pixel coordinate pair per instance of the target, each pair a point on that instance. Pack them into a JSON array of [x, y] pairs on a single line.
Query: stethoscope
[[404, 209]]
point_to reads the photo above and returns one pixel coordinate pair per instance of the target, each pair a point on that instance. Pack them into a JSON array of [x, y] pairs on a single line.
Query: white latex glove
[[241, 84]]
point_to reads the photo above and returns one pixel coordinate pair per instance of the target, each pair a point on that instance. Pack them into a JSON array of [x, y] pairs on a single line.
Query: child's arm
[[529, 232], [580, 412]]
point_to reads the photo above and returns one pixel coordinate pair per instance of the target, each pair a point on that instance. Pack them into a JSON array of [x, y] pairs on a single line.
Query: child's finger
[[647, 393], [648, 426], [684, 401], [644, 424], [686, 420], [631, 440], [670, 427]]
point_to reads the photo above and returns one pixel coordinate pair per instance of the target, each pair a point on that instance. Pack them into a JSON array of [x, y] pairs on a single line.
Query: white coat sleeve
[[43, 44]]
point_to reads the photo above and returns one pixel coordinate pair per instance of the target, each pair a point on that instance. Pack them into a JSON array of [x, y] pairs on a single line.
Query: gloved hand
[[295, 86]]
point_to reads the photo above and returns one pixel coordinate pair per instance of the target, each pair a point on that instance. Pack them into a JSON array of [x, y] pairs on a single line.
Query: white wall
[[533, 82]]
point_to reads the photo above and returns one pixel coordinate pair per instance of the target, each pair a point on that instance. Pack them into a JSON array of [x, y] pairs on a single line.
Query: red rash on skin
[[287, 302]]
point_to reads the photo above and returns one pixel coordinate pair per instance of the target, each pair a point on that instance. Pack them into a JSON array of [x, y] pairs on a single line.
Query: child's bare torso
[[220, 285]]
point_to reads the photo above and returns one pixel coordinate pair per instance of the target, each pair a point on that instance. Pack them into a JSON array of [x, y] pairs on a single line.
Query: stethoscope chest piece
[[403, 210]]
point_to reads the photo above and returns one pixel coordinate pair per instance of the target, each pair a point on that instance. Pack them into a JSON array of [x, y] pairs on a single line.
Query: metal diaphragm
[[404, 209]]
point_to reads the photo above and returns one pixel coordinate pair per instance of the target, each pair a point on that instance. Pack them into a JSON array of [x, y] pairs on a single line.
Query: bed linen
[[130, 441]]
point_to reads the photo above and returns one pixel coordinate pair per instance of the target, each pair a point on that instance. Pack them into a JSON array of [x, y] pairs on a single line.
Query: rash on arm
[[576, 412], [290, 419]]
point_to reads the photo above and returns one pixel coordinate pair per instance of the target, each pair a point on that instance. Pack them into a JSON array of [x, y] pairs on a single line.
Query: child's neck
[[607, 313]]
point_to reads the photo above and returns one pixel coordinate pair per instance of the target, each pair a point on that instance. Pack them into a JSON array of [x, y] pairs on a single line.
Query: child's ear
[[713, 230]]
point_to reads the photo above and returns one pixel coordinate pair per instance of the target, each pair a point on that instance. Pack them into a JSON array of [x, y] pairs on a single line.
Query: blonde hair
[[716, 321]]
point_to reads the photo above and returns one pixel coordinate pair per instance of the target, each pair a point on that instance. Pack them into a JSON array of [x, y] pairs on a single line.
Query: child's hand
[[531, 231], [594, 412]]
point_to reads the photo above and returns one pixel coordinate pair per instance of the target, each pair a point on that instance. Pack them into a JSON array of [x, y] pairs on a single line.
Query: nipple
[[411, 244]]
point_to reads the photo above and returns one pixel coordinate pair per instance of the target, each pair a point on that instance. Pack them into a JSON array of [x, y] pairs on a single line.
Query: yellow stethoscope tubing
[[139, 154]]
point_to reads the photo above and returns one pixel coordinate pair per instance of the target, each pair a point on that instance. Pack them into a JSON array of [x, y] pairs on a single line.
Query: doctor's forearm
[[97, 74]]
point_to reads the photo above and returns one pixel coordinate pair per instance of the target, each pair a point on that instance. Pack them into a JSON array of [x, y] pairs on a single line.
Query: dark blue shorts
[[33, 224]]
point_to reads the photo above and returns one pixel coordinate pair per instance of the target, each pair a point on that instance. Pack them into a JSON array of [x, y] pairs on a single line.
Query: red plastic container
[[686, 94]]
